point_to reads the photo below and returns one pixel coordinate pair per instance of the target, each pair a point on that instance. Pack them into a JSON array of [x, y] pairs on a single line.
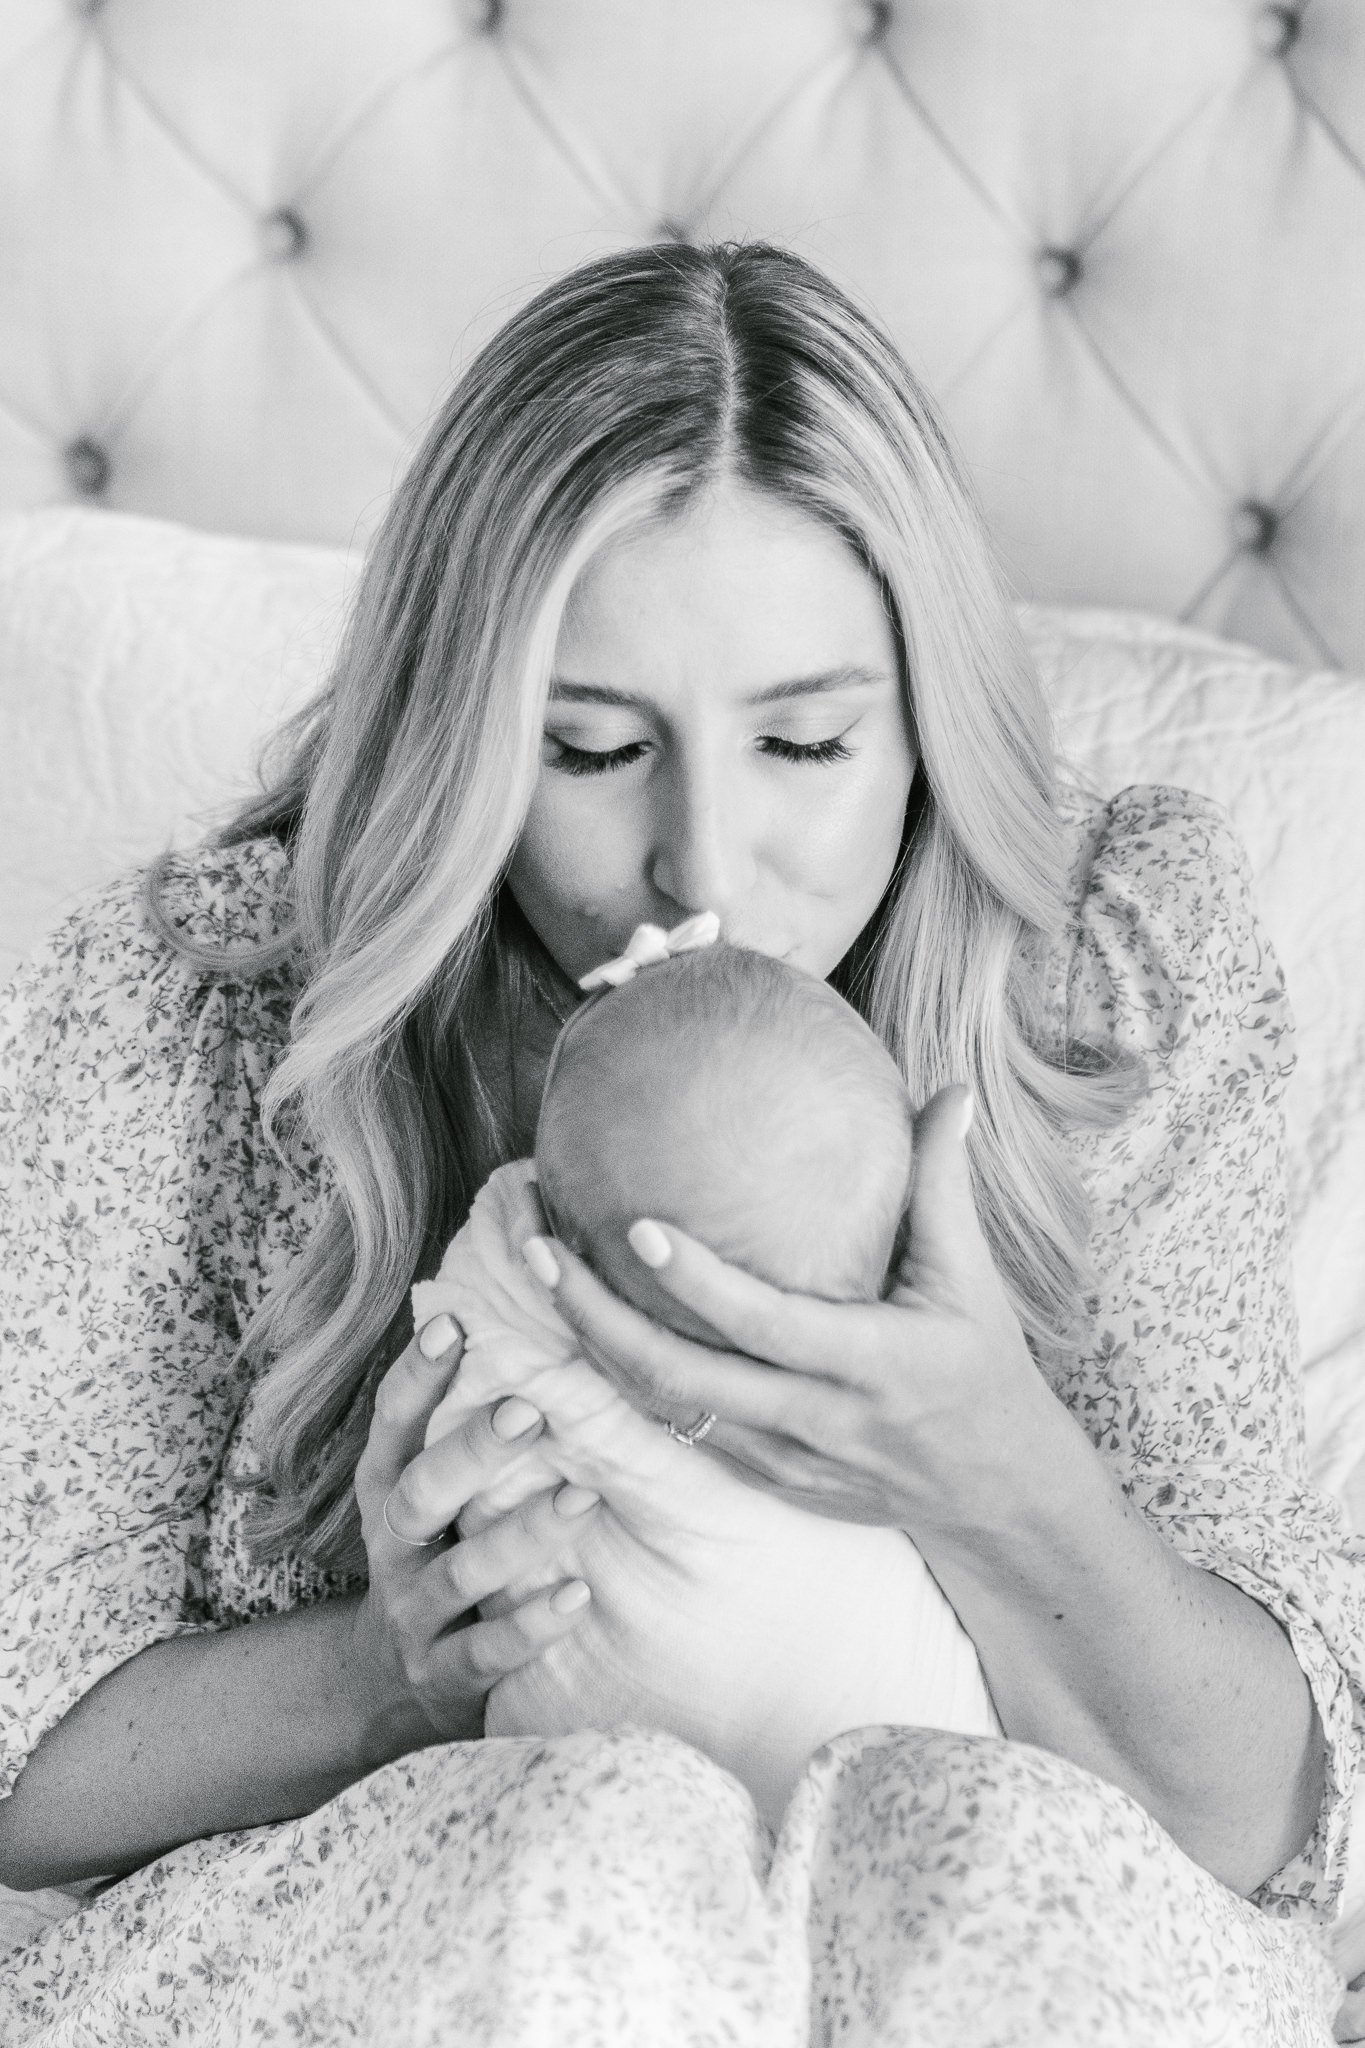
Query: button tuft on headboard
[[671, 230], [1253, 527], [87, 467], [870, 19], [87, 9], [1059, 271], [1276, 29], [283, 235]]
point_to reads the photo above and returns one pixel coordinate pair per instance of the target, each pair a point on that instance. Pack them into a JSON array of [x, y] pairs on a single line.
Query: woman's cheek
[[576, 877], [854, 842], [880, 807], [598, 861]]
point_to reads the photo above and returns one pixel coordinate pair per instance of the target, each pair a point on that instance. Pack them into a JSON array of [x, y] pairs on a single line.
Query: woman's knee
[[981, 1801]]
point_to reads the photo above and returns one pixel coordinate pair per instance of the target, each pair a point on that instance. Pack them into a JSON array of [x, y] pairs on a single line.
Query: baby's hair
[[746, 1102]]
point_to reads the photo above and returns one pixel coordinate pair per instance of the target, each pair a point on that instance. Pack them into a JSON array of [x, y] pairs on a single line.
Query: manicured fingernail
[[648, 1242], [541, 1261], [968, 1112], [438, 1336], [571, 1597], [514, 1417], [575, 1500]]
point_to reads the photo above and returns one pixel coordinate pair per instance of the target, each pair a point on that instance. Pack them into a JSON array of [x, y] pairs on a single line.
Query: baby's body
[[748, 1105]]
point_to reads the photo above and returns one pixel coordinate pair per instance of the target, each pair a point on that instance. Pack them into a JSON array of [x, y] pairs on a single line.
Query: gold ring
[[412, 1542]]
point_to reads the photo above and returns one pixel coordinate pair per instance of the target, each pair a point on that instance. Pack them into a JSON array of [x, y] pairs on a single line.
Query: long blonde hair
[[613, 396]]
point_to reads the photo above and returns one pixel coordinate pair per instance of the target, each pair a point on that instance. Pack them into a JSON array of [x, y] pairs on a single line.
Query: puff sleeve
[[141, 1217], [1189, 1381]]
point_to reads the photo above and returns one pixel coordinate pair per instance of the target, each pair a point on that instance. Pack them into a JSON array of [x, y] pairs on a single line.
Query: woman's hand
[[427, 1666], [922, 1412]]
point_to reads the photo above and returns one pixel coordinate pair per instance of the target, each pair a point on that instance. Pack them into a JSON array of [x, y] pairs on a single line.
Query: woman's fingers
[[478, 1656], [804, 1475], [677, 1378], [428, 1493], [404, 1403], [418, 1628], [510, 1546], [946, 1254], [746, 1313]]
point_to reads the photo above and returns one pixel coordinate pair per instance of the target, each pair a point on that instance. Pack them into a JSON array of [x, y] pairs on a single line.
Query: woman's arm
[[927, 1412], [194, 1736], [140, 1220], [1101, 1643], [231, 1729]]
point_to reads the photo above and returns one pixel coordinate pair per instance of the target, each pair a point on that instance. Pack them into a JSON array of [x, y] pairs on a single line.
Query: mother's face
[[727, 731]]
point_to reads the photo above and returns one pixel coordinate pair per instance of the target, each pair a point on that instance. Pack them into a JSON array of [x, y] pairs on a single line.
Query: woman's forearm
[[196, 1736], [1100, 1643]]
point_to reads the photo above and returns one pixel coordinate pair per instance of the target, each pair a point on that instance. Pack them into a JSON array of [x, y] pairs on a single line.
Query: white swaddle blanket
[[748, 1627]]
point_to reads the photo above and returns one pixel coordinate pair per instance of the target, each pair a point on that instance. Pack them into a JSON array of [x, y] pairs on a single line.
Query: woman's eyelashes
[[572, 760], [835, 749]]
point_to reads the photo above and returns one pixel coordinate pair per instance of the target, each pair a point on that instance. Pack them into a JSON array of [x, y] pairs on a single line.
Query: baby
[[742, 1100], [748, 1104]]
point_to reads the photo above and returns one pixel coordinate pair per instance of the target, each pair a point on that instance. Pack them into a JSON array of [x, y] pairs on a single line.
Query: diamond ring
[[702, 1427]]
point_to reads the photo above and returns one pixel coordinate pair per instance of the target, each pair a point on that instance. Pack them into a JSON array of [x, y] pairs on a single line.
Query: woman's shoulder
[[1169, 841], [107, 977], [1163, 934], [234, 897]]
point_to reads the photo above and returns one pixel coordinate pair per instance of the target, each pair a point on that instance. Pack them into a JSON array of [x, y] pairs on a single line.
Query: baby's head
[[741, 1100]]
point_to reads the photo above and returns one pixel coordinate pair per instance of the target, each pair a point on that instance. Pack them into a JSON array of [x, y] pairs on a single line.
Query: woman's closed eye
[[817, 751], [572, 760]]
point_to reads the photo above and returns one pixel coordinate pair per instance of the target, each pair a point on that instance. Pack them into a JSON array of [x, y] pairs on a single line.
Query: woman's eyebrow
[[849, 675]]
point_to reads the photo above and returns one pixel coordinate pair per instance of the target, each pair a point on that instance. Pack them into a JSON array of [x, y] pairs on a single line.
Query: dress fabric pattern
[[618, 1886]]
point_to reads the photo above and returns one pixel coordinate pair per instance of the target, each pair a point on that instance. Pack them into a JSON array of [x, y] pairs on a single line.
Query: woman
[[683, 605]]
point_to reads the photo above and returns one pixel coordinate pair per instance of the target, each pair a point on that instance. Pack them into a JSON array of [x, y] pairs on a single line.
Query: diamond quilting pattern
[[1200, 182]]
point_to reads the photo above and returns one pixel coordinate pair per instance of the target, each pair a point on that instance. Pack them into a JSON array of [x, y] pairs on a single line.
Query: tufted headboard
[[244, 244]]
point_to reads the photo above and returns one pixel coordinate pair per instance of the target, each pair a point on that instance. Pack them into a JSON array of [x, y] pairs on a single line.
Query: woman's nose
[[704, 846]]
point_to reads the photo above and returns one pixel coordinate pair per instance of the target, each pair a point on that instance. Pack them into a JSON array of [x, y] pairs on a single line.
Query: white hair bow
[[650, 943]]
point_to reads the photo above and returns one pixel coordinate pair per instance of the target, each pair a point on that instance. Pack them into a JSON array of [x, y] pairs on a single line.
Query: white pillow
[[141, 665]]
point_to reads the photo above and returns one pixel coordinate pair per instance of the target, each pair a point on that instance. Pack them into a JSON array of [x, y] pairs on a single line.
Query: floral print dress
[[618, 1886]]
